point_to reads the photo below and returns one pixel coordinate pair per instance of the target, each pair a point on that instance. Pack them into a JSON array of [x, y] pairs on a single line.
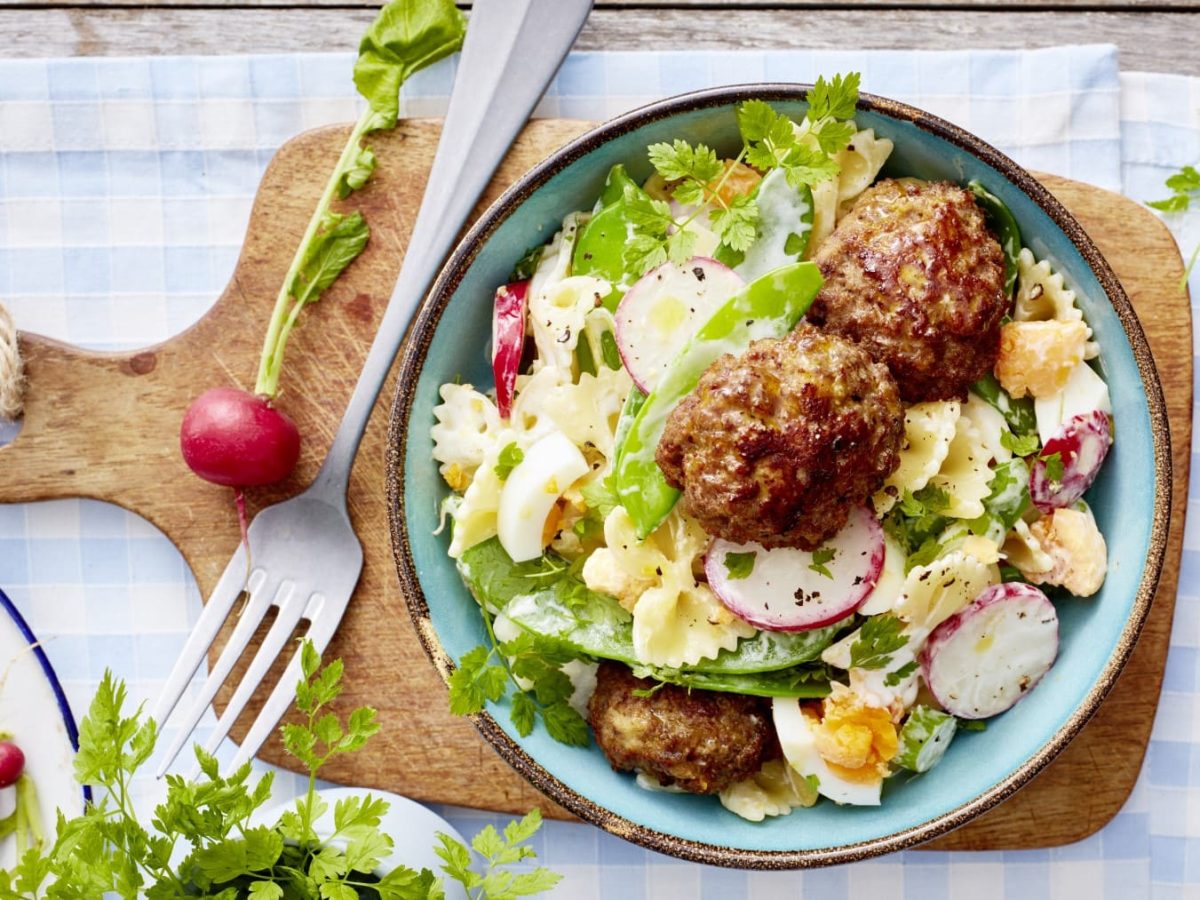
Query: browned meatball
[[778, 444], [699, 741], [913, 274]]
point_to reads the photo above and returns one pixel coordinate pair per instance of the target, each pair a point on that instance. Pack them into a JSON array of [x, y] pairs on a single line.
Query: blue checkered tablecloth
[[125, 188]]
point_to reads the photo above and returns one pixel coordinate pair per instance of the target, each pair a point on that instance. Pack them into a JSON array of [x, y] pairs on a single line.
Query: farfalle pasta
[[964, 474], [929, 430]]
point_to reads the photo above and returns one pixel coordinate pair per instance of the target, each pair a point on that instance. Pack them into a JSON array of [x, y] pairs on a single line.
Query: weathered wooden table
[[1156, 35]]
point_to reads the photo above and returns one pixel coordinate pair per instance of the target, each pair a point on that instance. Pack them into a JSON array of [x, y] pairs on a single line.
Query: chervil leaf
[[834, 137], [456, 860], [820, 557], [265, 890], [1020, 445], [835, 99], [403, 883], [566, 725], [476, 681], [737, 224], [1173, 204], [807, 166], [679, 160], [488, 842], [538, 881], [509, 458], [739, 565], [755, 118], [600, 495], [1054, 467], [517, 832], [879, 638], [1185, 180], [524, 713], [681, 245], [894, 678]]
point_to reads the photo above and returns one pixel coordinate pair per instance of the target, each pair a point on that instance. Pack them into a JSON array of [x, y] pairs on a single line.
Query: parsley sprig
[[205, 823], [533, 666], [807, 154]]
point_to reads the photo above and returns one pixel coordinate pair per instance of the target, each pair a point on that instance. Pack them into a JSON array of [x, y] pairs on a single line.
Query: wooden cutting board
[[105, 425]]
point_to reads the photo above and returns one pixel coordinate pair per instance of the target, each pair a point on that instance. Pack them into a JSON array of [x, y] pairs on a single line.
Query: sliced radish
[[1083, 392], [986, 657], [508, 340], [788, 589], [1082, 444], [665, 309]]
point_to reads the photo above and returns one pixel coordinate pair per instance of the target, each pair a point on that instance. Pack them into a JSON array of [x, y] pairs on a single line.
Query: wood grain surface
[[1154, 37], [106, 426]]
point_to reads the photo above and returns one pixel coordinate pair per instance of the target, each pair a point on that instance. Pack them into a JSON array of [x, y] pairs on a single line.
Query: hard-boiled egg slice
[[534, 485], [891, 579], [799, 746], [1083, 392]]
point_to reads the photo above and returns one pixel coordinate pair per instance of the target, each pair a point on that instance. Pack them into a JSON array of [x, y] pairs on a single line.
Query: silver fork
[[306, 557]]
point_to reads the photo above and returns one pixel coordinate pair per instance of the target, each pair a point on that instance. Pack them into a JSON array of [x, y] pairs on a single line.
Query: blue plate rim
[[416, 346], [60, 696]]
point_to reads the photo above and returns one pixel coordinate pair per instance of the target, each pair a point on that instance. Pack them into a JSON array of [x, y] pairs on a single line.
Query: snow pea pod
[[803, 682], [767, 307], [1004, 224], [600, 248]]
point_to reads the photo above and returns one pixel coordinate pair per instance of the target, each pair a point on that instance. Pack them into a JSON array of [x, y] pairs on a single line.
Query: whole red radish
[[236, 438], [12, 763]]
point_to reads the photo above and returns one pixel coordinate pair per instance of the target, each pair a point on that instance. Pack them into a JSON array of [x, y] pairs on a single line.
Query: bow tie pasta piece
[[467, 425], [775, 790], [990, 424], [677, 621], [586, 412], [858, 164], [935, 592], [964, 474], [929, 430], [1042, 295], [557, 314], [475, 518]]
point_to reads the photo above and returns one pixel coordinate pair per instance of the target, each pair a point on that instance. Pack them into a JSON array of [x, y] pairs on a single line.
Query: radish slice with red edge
[[990, 654], [1082, 444], [508, 340], [663, 311], [788, 589]]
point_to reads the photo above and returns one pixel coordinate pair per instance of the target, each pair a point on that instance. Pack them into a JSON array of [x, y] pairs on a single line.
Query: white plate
[[34, 710], [413, 829]]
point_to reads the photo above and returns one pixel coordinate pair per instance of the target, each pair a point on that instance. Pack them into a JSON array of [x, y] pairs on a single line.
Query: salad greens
[[1004, 224], [406, 36], [562, 620], [201, 842]]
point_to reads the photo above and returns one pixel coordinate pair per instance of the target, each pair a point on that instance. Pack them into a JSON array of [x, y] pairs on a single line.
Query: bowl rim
[[415, 350]]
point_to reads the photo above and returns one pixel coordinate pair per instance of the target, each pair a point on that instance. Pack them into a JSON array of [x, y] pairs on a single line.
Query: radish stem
[[283, 318]]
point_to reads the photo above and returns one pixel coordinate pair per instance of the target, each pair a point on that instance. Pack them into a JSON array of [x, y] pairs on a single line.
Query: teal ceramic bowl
[[1131, 498]]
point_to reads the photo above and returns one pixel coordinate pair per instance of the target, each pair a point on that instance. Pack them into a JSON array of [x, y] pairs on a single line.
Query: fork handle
[[511, 51]]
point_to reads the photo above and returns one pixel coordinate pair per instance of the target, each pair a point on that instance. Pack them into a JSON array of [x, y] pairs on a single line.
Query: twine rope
[[12, 374]]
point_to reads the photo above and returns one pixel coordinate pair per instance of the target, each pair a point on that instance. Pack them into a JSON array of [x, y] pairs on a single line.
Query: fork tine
[[250, 619], [320, 633], [213, 616], [291, 610]]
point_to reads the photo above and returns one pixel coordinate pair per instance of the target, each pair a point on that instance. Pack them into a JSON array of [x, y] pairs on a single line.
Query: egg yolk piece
[[857, 741]]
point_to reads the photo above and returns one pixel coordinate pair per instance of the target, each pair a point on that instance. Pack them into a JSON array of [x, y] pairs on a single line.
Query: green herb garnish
[[1185, 187], [1019, 445], [894, 678], [972, 725], [820, 557], [510, 457], [769, 141], [1054, 467], [880, 637], [740, 565]]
